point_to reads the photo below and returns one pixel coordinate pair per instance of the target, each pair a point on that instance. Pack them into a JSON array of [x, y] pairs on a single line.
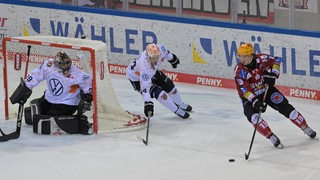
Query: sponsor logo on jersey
[[243, 90], [243, 74], [56, 87], [240, 82], [145, 77], [257, 76], [277, 98]]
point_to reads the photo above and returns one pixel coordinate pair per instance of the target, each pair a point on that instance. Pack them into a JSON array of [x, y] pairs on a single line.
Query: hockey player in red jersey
[[252, 74], [151, 83]]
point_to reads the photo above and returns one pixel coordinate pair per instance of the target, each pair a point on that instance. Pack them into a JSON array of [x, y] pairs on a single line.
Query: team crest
[[277, 98]]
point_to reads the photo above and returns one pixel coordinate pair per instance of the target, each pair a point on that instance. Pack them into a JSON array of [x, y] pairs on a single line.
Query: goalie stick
[[16, 134], [27, 63], [145, 141], [255, 128]]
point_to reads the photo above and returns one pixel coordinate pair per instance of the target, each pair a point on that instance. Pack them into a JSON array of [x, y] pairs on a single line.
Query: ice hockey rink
[[198, 148]]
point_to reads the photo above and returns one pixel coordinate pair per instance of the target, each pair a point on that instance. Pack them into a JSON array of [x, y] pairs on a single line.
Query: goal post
[[89, 55]]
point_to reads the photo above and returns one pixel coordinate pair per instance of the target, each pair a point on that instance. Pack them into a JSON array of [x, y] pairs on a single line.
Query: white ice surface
[[194, 149]]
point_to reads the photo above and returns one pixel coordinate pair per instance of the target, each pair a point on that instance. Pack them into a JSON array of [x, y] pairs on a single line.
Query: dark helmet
[[62, 61]]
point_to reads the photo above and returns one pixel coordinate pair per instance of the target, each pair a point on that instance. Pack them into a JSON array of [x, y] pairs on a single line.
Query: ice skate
[[276, 141], [181, 113], [185, 107], [311, 133]]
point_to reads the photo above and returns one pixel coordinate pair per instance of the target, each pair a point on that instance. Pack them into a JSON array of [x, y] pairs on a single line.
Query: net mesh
[[88, 55]]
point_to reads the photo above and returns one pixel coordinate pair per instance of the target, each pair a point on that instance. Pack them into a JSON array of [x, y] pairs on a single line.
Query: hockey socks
[[167, 102], [264, 129], [175, 96], [299, 121]]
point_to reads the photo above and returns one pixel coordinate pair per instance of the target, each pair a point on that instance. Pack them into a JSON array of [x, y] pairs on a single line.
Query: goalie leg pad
[[60, 125], [27, 115], [34, 108]]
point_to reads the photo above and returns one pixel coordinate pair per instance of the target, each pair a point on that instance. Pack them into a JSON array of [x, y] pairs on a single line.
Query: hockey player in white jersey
[[150, 82], [68, 91]]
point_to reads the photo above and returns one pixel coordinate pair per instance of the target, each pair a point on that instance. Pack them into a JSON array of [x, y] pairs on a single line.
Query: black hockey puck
[[231, 160], [83, 36]]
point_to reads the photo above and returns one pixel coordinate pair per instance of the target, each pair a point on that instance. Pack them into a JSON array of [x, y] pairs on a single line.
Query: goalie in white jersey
[[68, 91], [151, 83]]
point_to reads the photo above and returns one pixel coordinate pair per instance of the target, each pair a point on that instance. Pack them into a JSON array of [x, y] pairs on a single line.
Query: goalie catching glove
[[85, 103]]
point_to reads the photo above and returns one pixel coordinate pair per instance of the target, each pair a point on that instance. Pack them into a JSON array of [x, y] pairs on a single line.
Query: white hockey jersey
[[141, 70], [60, 89]]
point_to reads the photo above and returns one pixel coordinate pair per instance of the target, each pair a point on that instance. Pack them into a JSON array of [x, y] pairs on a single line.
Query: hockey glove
[[175, 61], [148, 107], [85, 103], [269, 78], [258, 104]]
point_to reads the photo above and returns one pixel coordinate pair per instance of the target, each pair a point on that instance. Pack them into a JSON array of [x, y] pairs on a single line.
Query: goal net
[[90, 56]]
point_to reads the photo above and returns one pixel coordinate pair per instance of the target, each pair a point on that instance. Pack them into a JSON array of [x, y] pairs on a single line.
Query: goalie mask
[[153, 53], [62, 61]]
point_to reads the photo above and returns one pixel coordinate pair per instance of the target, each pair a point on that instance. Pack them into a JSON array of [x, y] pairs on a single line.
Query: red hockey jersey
[[249, 78]]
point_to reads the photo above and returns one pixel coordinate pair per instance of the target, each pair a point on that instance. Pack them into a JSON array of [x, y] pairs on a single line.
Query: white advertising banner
[[300, 5], [207, 49]]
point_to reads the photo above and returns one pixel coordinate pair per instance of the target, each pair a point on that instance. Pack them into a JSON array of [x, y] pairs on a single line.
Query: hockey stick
[[27, 63], [15, 134], [145, 141], [255, 128]]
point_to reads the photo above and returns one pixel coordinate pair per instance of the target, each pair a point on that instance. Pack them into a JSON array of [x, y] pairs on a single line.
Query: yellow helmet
[[152, 50], [245, 49]]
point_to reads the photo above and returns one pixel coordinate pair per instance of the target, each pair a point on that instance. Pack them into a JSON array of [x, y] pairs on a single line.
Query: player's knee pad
[[155, 91], [254, 118], [59, 125], [173, 91], [30, 111]]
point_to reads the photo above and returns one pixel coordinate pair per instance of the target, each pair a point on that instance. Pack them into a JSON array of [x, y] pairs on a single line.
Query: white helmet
[[153, 52]]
